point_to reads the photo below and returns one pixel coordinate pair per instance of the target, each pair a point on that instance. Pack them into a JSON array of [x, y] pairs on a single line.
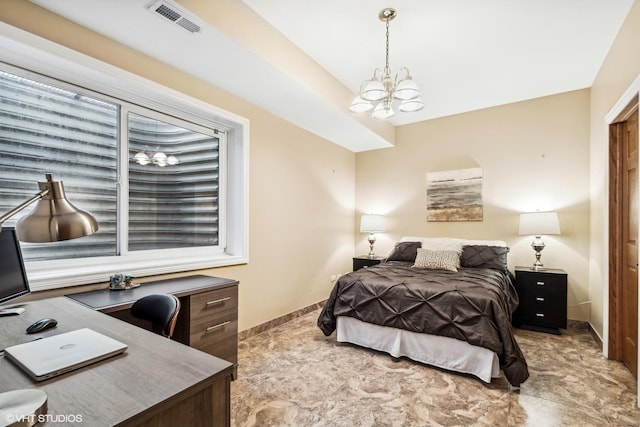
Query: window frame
[[123, 177], [32, 54]]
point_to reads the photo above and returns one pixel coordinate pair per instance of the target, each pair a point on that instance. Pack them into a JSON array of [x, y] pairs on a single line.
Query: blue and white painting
[[454, 195]]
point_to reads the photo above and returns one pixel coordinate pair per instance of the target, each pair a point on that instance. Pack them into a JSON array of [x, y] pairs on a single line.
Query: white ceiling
[[463, 54]]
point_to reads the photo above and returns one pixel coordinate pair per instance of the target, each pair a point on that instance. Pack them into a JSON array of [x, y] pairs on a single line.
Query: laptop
[[57, 354]]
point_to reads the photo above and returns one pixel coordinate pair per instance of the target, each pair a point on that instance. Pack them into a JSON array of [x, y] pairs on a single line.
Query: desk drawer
[[212, 303], [214, 323], [217, 335]]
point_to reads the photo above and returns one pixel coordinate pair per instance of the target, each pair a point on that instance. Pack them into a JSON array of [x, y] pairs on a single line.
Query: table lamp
[[539, 224], [53, 218], [372, 224]]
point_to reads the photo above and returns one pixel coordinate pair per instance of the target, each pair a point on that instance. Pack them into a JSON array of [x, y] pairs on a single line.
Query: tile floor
[[292, 375]]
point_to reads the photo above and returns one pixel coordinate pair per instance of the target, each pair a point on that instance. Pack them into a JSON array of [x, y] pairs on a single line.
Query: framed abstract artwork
[[454, 195]]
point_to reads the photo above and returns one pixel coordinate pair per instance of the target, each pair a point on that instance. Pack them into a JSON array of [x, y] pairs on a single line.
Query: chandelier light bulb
[[158, 159], [142, 158], [172, 160]]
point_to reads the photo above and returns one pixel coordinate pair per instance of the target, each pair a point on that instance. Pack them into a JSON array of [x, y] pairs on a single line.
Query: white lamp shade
[[407, 89], [359, 105], [539, 223], [383, 111], [411, 105], [372, 223], [373, 90]]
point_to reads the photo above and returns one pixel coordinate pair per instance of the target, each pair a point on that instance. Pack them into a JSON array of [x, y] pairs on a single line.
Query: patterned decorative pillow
[[481, 256], [404, 251], [437, 260]]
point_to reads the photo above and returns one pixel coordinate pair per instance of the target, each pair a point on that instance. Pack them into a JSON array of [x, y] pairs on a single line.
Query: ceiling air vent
[[172, 13]]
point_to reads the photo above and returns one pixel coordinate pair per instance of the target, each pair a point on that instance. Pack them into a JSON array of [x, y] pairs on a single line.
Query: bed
[[440, 301]]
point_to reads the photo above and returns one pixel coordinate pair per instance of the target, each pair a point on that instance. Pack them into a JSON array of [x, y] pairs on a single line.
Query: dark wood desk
[[155, 382], [208, 318]]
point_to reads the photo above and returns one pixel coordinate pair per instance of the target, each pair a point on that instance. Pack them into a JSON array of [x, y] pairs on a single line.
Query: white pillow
[[452, 240], [439, 243], [499, 243]]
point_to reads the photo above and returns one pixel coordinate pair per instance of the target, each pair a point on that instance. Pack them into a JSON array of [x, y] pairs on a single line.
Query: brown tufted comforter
[[473, 305]]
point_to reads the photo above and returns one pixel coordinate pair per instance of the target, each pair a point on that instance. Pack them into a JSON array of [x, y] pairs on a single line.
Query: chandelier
[[384, 90], [157, 158]]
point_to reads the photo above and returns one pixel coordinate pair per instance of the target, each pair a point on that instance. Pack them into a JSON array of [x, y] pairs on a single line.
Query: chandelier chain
[[387, 70]]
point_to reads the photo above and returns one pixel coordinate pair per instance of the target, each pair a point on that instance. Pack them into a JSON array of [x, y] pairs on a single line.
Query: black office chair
[[160, 309]]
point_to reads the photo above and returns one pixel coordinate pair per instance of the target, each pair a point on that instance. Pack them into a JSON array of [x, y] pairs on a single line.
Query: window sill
[[45, 275]]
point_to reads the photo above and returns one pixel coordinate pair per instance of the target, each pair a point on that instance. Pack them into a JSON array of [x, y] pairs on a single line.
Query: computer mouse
[[41, 325]]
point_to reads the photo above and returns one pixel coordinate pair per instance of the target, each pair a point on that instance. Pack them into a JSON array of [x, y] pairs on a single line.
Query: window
[[174, 185], [173, 169], [167, 181], [44, 129]]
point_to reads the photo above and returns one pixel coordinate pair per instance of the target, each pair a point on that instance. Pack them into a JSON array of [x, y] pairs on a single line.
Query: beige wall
[[534, 155], [618, 71], [301, 186]]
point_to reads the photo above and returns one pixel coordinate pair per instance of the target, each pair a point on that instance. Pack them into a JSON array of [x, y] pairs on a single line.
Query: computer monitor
[[13, 276]]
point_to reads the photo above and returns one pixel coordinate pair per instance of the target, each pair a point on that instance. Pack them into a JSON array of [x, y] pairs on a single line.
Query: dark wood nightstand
[[543, 299], [365, 261]]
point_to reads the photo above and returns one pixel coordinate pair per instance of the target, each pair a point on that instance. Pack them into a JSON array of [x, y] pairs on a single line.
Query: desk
[[157, 381], [208, 318]]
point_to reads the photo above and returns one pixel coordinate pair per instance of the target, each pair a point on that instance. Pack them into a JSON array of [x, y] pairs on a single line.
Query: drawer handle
[[540, 283], [218, 301], [539, 299], [540, 314], [219, 325]]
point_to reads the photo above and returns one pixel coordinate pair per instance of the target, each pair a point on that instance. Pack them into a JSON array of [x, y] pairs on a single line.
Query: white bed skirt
[[443, 352]]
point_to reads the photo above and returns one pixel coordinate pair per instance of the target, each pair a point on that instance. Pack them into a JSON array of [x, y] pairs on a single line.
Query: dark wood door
[[629, 297]]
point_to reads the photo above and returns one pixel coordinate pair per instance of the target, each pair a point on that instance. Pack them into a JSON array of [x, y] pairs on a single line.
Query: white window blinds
[[172, 201], [171, 205]]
